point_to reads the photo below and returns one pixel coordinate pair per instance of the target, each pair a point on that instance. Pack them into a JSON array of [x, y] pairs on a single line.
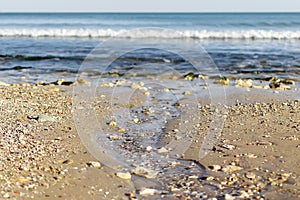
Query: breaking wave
[[176, 34]]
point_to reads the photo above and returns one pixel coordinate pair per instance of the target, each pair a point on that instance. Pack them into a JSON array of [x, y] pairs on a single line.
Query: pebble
[[149, 148], [264, 143], [113, 137], [68, 162], [147, 173], [215, 167], [243, 83], [54, 90], [250, 175], [112, 123], [121, 130], [94, 164], [136, 120], [166, 90], [244, 194], [231, 168], [228, 146], [124, 175], [138, 86], [6, 195], [148, 192], [45, 118], [222, 81], [81, 81], [162, 150], [107, 85], [257, 86], [187, 93], [229, 197]]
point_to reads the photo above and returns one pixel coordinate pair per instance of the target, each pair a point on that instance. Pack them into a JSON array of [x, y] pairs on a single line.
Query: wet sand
[[255, 156]]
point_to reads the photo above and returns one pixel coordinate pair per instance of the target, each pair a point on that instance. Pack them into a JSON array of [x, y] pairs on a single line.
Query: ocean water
[[51, 46]]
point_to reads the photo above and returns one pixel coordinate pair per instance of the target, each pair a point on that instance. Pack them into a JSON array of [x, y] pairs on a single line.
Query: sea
[[51, 46]]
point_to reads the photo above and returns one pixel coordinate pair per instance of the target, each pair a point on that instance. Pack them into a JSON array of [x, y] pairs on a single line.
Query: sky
[[150, 6]]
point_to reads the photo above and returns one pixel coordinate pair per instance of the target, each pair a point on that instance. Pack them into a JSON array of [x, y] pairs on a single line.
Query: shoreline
[[257, 138]]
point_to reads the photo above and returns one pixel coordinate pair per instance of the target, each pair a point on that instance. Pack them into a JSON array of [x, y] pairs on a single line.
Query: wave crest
[[176, 34]]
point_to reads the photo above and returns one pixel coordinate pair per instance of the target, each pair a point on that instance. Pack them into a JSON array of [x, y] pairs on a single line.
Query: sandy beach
[[256, 155]]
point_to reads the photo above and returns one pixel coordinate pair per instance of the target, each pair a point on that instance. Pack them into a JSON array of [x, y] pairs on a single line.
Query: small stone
[[106, 85], [22, 142], [22, 180], [250, 175], [264, 143], [131, 195], [215, 167], [228, 146], [251, 155], [166, 90], [58, 138], [6, 195], [231, 168], [243, 83], [229, 197], [112, 123], [193, 177], [121, 130], [147, 173], [187, 93], [135, 86], [124, 175], [138, 86], [279, 86], [81, 81], [162, 150], [223, 81], [59, 82], [41, 83], [45, 118], [136, 120], [68, 162], [113, 137], [210, 178], [190, 76], [174, 164], [202, 77], [244, 195], [58, 178], [257, 86], [149, 148], [147, 93], [54, 90], [288, 82], [148, 192], [94, 164]]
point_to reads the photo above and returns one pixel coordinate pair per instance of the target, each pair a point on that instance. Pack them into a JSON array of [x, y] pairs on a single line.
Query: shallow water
[[53, 46]]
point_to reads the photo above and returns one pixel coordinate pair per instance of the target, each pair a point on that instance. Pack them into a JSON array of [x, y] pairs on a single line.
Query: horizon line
[[149, 12]]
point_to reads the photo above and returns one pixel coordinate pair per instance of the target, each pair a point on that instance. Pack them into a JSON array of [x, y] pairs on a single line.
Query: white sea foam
[[156, 33]]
